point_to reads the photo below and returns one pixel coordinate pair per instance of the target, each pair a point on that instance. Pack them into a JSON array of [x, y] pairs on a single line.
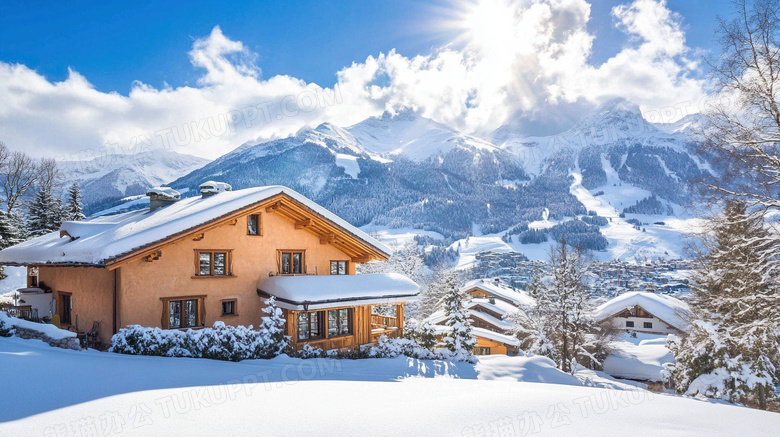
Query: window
[[67, 307], [649, 325], [338, 267], [214, 263], [481, 351], [33, 277], [629, 324], [291, 263], [338, 322], [183, 313], [309, 325], [254, 227], [229, 307]]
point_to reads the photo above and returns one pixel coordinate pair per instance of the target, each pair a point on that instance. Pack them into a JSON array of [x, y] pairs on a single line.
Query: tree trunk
[[762, 396]]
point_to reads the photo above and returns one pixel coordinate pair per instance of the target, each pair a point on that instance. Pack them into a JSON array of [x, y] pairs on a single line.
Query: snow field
[[109, 394]]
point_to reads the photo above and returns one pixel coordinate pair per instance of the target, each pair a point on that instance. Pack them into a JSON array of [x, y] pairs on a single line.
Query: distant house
[[187, 263], [645, 312], [489, 302]]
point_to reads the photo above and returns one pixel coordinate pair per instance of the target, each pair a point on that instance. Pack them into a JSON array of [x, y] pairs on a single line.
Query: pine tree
[[431, 295], [45, 213], [73, 208], [559, 326], [19, 226], [9, 233], [732, 349], [274, 342], [459, 339]]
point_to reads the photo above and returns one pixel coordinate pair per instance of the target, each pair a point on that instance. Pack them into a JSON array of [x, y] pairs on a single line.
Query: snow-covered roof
[[498, 306], [439, 315], [100, 239], [484, 333], [669, 309], [518, 297], [313, 292]]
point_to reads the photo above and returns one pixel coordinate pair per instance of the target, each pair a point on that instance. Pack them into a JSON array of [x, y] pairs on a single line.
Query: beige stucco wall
[[142, 284], [91, 291]]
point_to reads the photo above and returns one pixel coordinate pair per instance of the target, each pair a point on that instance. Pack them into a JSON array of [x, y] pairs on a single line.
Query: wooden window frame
[[322, 327], [228, 263], [259, 225], [280, 253], [336, 261], [350, 325], [235, 307], [631, 324], [200, 317], [644, 325]]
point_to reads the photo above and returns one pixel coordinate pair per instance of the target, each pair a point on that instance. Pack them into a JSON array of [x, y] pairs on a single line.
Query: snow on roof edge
[[121, 231]]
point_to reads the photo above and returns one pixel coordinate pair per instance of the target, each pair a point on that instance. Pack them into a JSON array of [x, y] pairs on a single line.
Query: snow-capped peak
[[614, 118], [406, 133]]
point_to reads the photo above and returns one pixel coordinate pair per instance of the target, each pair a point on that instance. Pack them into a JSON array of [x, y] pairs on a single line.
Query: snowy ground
[[67, 393]]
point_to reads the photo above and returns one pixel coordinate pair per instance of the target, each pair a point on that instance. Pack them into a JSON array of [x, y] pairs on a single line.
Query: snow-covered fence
[[49, 334]]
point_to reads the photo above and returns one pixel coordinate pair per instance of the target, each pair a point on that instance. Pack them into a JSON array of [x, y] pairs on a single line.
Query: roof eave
[[306, 303]]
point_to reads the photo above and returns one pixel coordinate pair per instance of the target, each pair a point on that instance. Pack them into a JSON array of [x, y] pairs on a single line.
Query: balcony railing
[[383, 322]]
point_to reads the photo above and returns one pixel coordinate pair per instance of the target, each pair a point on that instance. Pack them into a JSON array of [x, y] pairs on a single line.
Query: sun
[[482, 23]]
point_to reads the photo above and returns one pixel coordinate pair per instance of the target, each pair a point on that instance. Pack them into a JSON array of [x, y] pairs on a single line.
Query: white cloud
[[541, 72]]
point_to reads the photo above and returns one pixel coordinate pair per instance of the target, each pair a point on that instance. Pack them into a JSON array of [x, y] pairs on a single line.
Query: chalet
[[645, 312], [489, 302], [187, 263]]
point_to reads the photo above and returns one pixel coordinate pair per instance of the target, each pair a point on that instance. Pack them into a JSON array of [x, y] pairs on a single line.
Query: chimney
[[210, 188], [162, 196]]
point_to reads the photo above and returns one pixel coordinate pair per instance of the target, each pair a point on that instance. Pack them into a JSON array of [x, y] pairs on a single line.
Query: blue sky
[[113, 44], [108, 76]]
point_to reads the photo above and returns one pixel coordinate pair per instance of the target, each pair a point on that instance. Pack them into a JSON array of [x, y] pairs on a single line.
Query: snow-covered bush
[[220, 342], [5, 331], [309, 351], [393, 347], [423, 333]]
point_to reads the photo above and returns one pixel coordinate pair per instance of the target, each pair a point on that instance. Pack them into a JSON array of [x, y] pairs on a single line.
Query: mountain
[[616, 138], [105, 179], [613, 182], [396, 169]]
